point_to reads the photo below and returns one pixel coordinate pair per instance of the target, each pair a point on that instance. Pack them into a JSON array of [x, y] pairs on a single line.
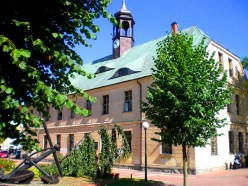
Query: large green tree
[[37, 40], [187, 92]]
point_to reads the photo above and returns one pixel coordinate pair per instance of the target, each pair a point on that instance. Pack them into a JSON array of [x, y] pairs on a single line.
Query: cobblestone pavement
[[238, 177]]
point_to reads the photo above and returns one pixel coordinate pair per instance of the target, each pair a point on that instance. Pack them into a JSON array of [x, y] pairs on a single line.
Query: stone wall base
[[173, 170]]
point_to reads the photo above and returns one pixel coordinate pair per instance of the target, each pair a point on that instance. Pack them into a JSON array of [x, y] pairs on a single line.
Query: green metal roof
[[138, 59]]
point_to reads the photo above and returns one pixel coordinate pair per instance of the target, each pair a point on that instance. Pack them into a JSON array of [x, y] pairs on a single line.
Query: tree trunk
[[185, 166]]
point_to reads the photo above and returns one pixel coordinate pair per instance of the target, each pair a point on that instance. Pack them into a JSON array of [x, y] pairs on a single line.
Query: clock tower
[[123, 32]]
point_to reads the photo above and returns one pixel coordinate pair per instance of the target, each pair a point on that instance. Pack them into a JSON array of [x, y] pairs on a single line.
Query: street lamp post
[[145, 125]]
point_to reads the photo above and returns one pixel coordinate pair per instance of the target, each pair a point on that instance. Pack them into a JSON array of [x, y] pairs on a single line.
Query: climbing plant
[[125, 148], [69, 164], [106, 158], [87, 164], [82, 160], [114, 142]]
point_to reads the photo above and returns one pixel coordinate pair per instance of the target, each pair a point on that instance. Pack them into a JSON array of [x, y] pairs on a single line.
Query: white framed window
[[105, 104], [214, 145], [165, 148], [128, 101], [231, 142], [58, 139], [230, 67], [72, 113], [128, 135], [237, 104], [241, 142], [221, 62], [59, 115], [70, 142]]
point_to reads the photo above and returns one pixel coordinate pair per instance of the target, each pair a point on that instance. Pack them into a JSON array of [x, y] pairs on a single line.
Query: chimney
[[174, 28]]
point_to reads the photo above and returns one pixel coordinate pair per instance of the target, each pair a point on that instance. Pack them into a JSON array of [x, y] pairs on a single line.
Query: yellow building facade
[[121, 83]]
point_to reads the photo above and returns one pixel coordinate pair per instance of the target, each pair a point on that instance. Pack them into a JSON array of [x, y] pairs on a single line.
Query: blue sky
[[225, 21]]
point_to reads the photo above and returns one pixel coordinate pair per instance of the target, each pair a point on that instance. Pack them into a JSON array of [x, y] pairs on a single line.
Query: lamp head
[[145, 125]]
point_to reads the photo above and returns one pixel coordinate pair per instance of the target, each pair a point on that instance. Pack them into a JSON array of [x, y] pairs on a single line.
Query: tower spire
[[123, 32], [123, 8]]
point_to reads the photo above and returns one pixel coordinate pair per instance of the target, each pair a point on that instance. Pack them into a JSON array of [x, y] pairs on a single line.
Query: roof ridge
[[202, 32]]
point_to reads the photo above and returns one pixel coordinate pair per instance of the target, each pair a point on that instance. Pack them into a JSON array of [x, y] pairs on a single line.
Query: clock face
[[116, 43]]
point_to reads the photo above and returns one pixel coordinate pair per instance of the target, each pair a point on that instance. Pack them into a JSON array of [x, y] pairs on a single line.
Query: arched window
[[103, 69], [123, 72], [125, 28]]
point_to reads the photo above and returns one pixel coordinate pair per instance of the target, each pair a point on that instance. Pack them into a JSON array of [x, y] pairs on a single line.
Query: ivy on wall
[[106, 158], [125, 150]]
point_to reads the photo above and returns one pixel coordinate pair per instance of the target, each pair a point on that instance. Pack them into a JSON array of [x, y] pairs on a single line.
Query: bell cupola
[[123, 32]]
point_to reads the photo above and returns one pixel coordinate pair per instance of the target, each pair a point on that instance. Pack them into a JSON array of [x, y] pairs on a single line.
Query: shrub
[[51, 168], [6, 164], [35, 171]]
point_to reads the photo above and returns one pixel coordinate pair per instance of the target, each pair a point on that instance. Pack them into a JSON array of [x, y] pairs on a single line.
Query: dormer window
[[103, 69], [123, 72]]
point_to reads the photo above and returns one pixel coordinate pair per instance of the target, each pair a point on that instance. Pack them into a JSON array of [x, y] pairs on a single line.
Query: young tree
[[187, 92], [37, 40]]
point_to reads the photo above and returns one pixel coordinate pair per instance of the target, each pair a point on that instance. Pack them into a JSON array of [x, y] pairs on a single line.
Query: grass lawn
[[83, 181], [110, 180]]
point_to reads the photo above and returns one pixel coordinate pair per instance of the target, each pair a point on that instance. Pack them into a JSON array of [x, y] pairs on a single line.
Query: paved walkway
[[237, 177]]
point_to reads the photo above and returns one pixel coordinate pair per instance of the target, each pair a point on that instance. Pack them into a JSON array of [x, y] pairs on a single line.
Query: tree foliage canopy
[[37, 40], [187, 92], [245, 62], [245, 65]]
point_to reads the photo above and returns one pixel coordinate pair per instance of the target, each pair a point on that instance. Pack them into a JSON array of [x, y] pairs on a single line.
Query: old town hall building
[[120, 83]]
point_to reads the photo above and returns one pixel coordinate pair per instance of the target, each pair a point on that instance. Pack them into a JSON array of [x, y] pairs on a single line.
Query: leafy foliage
[[2, 140], [6, 164], [38, 59], [50, 168], [245, 62], [125, 149], [106, 159], [36, 172], [187, 93], [69, 165], [80, 162], [87, 164], [83, 161], [109, 151], [245, 65]]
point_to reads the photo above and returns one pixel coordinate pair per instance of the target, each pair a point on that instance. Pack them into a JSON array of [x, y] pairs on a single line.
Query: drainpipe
[[140, 97], [140, 118]]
